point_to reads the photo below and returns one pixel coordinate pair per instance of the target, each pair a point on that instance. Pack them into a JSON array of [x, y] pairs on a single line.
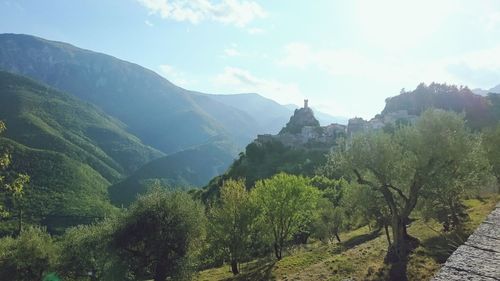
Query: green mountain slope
[[40, 117], [162, 115], [71, 150], [62, 191], [186, 169]]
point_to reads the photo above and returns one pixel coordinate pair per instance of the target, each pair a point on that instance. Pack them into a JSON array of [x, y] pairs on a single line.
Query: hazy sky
[[345, 56]]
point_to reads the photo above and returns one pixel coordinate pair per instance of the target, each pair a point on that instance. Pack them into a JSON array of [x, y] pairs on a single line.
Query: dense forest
[[272, 199]]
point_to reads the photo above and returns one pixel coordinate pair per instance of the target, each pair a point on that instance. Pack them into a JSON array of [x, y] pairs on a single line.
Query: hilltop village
[[304, 130]]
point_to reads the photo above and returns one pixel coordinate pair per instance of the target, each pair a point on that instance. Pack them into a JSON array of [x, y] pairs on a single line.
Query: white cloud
[[148, 23], [231, 52], [255, 30], [173, 75], [235, 12], [239, 80]]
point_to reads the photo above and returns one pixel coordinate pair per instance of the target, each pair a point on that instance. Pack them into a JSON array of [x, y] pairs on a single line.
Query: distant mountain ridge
[[482, 92], [162, 115]]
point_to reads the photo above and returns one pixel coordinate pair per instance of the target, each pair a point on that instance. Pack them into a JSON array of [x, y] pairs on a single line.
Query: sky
[[346, 57]]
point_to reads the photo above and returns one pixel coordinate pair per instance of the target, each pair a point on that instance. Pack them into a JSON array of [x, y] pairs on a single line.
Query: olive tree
[[328, 221], [285, 203], [27, 257], [231, 221], [86, 253], [433, 154], [491, 143], [159, 235]]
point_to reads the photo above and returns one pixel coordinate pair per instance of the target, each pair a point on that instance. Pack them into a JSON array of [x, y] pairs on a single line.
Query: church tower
[[306, 103]]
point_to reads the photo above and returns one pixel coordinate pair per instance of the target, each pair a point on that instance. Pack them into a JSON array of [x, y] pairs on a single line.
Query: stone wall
[[479, 258]]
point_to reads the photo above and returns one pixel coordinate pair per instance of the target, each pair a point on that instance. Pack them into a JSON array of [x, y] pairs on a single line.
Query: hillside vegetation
[[360, 255], [71, 150], [188, 169]]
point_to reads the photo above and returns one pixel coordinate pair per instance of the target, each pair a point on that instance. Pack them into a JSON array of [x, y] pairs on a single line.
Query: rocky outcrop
[[479, 258], [302, 117], [303, 129]]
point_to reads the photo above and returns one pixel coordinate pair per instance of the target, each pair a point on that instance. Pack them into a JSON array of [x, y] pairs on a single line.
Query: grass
[[360, 255]]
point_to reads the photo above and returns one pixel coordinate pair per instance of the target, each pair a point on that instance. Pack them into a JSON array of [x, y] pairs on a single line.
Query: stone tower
[[306, 103]]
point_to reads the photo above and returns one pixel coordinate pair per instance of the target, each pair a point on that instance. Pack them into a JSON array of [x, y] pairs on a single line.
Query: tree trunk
[[278, 247], [234, 267], [398, 250], [337, 236], [160, 272], [397, 254], [277, 251], [386, 227]]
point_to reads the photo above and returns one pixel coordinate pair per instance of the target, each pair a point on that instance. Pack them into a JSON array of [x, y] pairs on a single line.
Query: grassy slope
[[360, 255]]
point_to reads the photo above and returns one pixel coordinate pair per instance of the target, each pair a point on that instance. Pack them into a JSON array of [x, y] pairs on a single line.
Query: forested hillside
[[188, 169], [70, 149]]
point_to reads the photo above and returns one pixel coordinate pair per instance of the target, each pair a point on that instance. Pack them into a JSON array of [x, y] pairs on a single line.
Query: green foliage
[[328, 222], [436, 155], [160, 234], [286, 202], [364, 206], [62, 192], [86, 252], [231, 221], [27, 257], [262, 161], [465, 172], [11, 184], [491, 141]]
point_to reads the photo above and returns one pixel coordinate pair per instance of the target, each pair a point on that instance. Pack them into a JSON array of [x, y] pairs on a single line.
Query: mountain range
[[101, 121]]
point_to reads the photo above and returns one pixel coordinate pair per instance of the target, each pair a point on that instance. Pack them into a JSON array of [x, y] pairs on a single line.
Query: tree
[[27, 257], [328, 221], [330, 217], [285, 203], [86, 253], [11, 184], [231, 221], [490, 143], [365, 206], [400, 166], [159, 235], [442, 200]]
